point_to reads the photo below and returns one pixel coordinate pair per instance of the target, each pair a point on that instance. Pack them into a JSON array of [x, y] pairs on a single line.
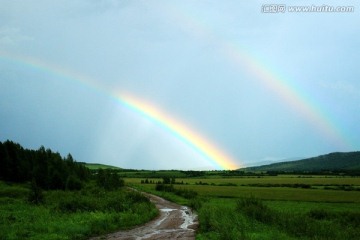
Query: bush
[[164, 187], [136, 197], [13, 191], [318, 214], [256, 209], [349, 218], [36, 195], [77, 204], [195, 203], [73, 183], [115, 202], [185, 193], [109, 179]]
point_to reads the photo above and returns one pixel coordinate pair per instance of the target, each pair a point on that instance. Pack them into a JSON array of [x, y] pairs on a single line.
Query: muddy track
[[173, 222]]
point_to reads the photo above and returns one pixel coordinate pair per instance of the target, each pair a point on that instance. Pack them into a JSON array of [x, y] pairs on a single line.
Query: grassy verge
[[70, 214]]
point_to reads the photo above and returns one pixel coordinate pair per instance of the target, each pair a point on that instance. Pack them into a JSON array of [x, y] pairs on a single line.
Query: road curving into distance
[[174, 222]]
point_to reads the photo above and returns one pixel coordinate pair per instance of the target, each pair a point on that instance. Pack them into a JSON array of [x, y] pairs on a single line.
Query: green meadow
[[91, 211], [269, 207], [294, 188], [260, 207]]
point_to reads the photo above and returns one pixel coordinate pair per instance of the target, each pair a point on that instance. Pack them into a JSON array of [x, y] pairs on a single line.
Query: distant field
[[94, 166], [281, 179], [277, 193], [271, 188]]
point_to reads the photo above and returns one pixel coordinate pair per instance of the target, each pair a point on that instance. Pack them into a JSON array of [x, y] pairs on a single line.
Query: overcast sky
[[259, 86]]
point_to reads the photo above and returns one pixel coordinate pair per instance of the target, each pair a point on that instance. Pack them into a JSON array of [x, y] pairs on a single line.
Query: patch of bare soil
[[173, 222]]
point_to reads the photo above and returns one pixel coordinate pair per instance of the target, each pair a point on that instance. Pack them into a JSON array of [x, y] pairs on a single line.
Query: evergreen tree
[[48, 169]]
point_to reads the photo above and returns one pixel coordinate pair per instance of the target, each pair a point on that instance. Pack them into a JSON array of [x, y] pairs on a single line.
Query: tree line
[[47, 169]]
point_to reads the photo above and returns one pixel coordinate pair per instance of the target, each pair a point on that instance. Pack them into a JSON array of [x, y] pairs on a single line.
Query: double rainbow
[[175, 127]]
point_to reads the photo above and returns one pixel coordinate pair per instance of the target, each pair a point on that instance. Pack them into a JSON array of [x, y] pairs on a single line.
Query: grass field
[[281, 179], [70, 214], [266, 207], [277, 207], [270, 188]]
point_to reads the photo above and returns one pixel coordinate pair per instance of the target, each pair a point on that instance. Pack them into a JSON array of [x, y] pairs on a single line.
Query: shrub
[[73, 183], [195, 203], [115, 202], [164, 187], [349, 218], [318, 214], [256, 209], [36, 195], [80, 204], [136, 197], [109, 179], [185, 193]]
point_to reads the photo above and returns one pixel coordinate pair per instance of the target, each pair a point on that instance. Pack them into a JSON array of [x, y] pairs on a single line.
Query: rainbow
[[190, 137], [176, 128], [293, 96]]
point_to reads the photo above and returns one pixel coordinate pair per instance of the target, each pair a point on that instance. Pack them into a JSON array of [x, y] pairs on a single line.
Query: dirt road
[[173, 222]]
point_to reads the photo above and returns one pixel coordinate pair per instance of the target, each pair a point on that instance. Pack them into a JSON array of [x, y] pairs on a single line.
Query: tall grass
[[219, 222], [70, 215], [251, 218], [314, 224]]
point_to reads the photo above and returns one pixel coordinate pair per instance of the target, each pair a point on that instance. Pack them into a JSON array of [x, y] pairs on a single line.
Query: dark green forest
[[48, 169]]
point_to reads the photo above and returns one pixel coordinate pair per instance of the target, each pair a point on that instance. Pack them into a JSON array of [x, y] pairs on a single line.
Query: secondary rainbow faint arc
[[198, 143], [280, 86], [182, 132]]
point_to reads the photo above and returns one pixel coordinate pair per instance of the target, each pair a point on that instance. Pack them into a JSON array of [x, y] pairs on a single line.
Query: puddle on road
[[167, 213], [188, 216], [167, 209]]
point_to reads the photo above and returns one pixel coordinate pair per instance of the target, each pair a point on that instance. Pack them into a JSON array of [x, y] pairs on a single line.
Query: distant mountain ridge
[[95, 166], [268, 162], [329, 162]]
